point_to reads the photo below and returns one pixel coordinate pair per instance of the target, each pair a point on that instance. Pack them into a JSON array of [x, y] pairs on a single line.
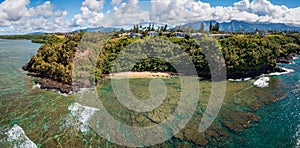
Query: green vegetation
[[283, 45], [40, 38], [54, 58], [245, 55]]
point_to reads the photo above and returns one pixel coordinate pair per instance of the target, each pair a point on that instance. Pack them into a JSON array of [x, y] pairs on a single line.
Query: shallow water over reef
[[250, 116]]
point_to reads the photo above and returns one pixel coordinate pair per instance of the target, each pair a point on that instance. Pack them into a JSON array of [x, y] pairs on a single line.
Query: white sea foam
[[297, 136], [282, 73], [271, 74], [262, 82], [239, 80], [63, 94], [81, 90], [36, 86], [17, 137], [79, 116]]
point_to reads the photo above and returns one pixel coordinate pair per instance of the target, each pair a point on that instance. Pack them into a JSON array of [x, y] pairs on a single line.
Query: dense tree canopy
[[241, 53], [54, 58]]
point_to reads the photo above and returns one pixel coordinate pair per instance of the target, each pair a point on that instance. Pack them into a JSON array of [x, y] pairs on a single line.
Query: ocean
[[45, 118]]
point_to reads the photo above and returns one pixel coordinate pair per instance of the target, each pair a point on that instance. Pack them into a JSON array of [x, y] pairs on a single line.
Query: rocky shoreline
[[50, 84], [235, 121], [287, 59], [47, 83], [54, 85]]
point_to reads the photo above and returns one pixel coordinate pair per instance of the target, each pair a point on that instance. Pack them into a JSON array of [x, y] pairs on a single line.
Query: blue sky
[[288, 3], [23, 16], [73, 6]]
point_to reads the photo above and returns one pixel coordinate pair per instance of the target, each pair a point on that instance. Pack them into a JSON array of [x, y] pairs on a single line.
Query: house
[[68, 35], [123, 34], [180, 35], [263, 33], [220, 35], [196, 35], [153, 33], [135, 35]]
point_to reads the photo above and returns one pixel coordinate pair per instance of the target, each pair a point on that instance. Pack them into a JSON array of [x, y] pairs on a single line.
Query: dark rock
[[192, 135], [238, 121], [283, 60], [183, 145], [287, 59], [50, 84], [47, 83], [293, 55], [238, 74], [25, 68]]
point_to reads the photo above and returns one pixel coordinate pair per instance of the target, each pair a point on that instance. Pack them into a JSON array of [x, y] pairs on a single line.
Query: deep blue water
[[280, 122], [279, 125]]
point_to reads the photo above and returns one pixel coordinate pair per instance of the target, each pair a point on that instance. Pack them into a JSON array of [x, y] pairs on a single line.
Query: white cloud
[[242, 5], [17, 17], [44, 10], [127, 13], [91, 13], [94, 5], [12, 10], [184, 11], [116, 2], [60, 13], [60, 18], [175, 12]]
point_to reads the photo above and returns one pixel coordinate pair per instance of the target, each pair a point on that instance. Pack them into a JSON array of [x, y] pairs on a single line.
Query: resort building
[[153, 34], [180, 35]]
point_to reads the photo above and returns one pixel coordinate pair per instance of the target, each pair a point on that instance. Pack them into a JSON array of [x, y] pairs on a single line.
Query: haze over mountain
[[233, 26], [98, 29], [244, 26], [26, 16]]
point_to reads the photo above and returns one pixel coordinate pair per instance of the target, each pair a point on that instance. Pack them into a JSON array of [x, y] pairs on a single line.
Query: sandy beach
[[141, 74]]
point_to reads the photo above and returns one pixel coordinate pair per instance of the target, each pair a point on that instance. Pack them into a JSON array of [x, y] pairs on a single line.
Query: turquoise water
[[41, 113], [280, 122], [13, 55], [20, 104]]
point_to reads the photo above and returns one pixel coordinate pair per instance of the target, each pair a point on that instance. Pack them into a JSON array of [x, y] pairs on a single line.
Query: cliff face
[[54, 59], [244, 56]]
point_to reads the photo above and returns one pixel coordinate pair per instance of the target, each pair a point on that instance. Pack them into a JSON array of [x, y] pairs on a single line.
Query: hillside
[[99, 29], [237, 26], [245, 56]]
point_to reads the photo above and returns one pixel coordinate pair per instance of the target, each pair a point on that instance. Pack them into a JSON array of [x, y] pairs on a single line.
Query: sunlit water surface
[[42, 114]]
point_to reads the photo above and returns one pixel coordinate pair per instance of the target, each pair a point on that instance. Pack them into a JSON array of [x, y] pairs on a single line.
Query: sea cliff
[[244, 56]]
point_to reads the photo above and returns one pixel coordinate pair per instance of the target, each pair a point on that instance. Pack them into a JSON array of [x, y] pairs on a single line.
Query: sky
[[26, 16]]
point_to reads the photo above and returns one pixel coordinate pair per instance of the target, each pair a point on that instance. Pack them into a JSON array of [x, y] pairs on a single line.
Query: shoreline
[[49, 84], [145, 74], [237, 76]]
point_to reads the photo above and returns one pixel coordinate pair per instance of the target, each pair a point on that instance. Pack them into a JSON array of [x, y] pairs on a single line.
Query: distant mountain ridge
[[37, 33], [233, 26], [244, 26], [99, 29]]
